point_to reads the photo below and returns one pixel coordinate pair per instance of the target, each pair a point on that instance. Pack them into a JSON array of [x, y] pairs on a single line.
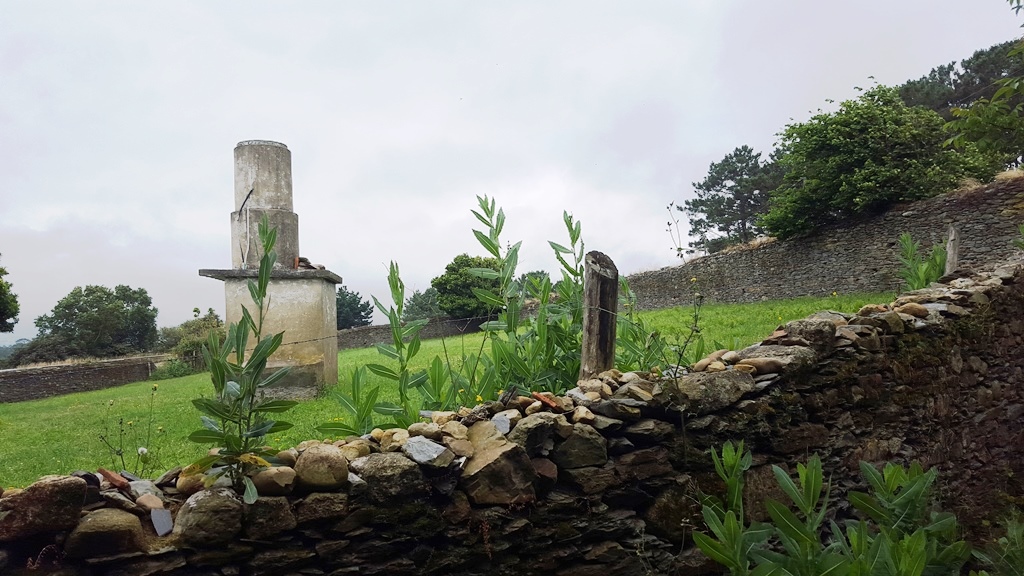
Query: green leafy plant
[[539, 353], [901, 536], [400, 351], [918, 272], [802, 552], [1006, 557], [732, 541], [359, 405], [638, 346], [174, 368], [237, 418], [1018, 242]]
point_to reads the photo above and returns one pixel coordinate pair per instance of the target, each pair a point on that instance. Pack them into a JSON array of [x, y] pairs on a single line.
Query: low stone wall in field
[[20, 384], [364, 336], [604, 480], [860, 256]]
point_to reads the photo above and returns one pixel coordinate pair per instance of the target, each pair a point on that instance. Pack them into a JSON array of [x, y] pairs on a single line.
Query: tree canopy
[[421, 306], [954, 85], [8, 304], [872, 152], [730, 199], [352, 309], [93, 321], [455, 287]]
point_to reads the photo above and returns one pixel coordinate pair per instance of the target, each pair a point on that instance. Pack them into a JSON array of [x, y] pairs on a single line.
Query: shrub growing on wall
[[871, 153]]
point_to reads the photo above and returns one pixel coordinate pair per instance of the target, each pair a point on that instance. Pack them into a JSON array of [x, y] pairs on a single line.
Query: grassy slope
[[59, 435]]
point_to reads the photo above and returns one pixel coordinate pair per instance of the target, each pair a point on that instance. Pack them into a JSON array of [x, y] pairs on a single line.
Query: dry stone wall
[[20, 384], [363, 336], [858, 256], [601, 481]]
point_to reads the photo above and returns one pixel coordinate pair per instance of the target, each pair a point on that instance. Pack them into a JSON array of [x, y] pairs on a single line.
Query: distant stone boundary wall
[[859, 256], [364, 336], [20, 384]]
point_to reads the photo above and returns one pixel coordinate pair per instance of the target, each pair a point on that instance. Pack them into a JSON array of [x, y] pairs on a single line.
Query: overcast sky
[[118, 121]]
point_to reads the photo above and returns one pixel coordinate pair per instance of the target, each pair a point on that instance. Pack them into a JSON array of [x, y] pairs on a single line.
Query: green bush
[[872, 152], [918, 272], [455, 288], [172, 369], [899, 536]]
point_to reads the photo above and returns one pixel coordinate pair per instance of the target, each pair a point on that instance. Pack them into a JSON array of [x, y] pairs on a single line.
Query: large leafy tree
[[8, 304], [995, 123], [421, 306], [872, 152], [98, 321], [455, 287], [956, 85], [730, 199], [352, 309]]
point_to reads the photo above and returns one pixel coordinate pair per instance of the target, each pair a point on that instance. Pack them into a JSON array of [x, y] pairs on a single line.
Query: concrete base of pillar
[[302, 305]]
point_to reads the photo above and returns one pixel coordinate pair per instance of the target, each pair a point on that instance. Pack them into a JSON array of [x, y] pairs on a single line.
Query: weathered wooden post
[[952, 250], [600, 307]]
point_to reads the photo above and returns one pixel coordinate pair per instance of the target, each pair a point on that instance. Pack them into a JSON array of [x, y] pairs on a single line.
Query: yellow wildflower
[[479, 398]]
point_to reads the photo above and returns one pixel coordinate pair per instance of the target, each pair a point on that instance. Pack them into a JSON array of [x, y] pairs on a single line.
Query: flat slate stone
[[163, 523]]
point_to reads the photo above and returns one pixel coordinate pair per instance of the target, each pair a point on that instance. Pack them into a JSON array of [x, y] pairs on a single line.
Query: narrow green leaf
[[250, 494], [206, 437], [387, 350], [280, 426], [713, 549], [485, 273], [275, 376], [787, 523], [275, 406], [490, 245], [383, 371], [212, 408], [258, 430], [488, 297], [337, 429]]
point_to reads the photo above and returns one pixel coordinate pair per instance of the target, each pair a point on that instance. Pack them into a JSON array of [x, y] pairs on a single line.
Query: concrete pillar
[[302, 302], [263, 187]]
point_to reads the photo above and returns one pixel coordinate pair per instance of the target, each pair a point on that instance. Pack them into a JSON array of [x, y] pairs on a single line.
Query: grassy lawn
[[60, 435]]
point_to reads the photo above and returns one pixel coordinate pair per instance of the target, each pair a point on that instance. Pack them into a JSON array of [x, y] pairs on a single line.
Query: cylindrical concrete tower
[[263, 187]]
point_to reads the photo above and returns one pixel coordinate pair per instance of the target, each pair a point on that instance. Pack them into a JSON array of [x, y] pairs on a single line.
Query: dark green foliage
[[871, 153], [422, 306], [352, 309], [188, 338], [8, 304], [528, 279], [7, 351], [455, 288], [994, 122], [901, 535], [730, 199], [172, 369], [97, 321], [48, 348], [1006, 556], [956, 86]]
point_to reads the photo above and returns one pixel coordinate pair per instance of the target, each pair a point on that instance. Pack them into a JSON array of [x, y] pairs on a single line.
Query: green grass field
[[59, 435]]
